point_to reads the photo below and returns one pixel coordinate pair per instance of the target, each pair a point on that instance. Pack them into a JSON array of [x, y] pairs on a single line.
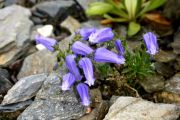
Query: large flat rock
[[24, 89], [14, 32], [53, 104], [130, 108], [39, 62]]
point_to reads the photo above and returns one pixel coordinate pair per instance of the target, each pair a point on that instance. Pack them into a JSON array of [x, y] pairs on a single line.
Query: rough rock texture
[[164, 69], [173, 85], [14, 32], [54, 12], [165, 56], [85, 3], [153, 83], [71, 24], [12, 111], [92, 23], [64, 44], [24, 89], [53, 104], [171, 9], [5, 84], [176, 43], [130, 108], [40, 62]]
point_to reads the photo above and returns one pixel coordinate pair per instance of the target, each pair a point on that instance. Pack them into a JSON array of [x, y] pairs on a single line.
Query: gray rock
[[113, 99], [85, 3], [92, 23], [173, 85], [5, 84], [14, 32], [15, 106], [39, 62], [24, 89], [56, 11], [130, 108], [52, 8], [165, 56], [71, 24], [96, 97], [171, 9], [1, 3], [176, 43], [153, 83], [64, 44], [53, 104], [12, 111], [164, 69]]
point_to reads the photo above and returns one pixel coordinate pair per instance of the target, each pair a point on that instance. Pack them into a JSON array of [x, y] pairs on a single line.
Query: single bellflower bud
[[86, 65], [86, 32], [101, 35], [104, 55], [68, 80], [119, 47], [81, 48], [83, 91], [71, 65], [46, 42], [150, 40]]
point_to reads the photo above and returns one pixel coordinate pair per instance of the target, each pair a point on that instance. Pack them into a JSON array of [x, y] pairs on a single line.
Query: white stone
[[40, 47], [46, 30]]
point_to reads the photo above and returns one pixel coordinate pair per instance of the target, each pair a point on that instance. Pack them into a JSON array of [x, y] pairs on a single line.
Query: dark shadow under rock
[[5, 84], [12, 111]]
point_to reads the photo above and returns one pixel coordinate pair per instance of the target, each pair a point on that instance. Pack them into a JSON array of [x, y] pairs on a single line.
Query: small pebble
[[46, 30]]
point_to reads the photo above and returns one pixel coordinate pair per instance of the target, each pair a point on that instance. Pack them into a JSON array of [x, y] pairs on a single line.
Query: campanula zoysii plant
[[89, 48]]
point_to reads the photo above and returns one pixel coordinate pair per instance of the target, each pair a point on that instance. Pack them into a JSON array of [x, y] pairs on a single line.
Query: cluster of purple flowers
[[93, 36]]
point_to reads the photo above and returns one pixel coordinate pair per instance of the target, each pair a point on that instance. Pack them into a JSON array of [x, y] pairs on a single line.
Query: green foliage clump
[[138, 64], [130, 11]]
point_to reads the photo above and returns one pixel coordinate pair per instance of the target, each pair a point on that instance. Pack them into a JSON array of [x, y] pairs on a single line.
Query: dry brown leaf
[[106, 21], [158, 18]]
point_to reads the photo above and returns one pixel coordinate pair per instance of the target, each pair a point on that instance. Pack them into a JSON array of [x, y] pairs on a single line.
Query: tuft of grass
[[138, 65]]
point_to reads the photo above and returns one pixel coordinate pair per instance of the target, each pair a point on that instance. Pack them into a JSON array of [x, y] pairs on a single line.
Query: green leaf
[[118, 6], [99, 8], [133, 28], [152, 4], [115, 19], [131, 7]]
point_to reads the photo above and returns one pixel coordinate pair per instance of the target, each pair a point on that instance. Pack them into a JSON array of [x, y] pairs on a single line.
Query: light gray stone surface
[[39, 62], [24, 89], [14, 32], [5, 84], [130, 108], [173, 85], [165, 56], [85, 3], [53, 104], [153, 83], [71, 24]]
